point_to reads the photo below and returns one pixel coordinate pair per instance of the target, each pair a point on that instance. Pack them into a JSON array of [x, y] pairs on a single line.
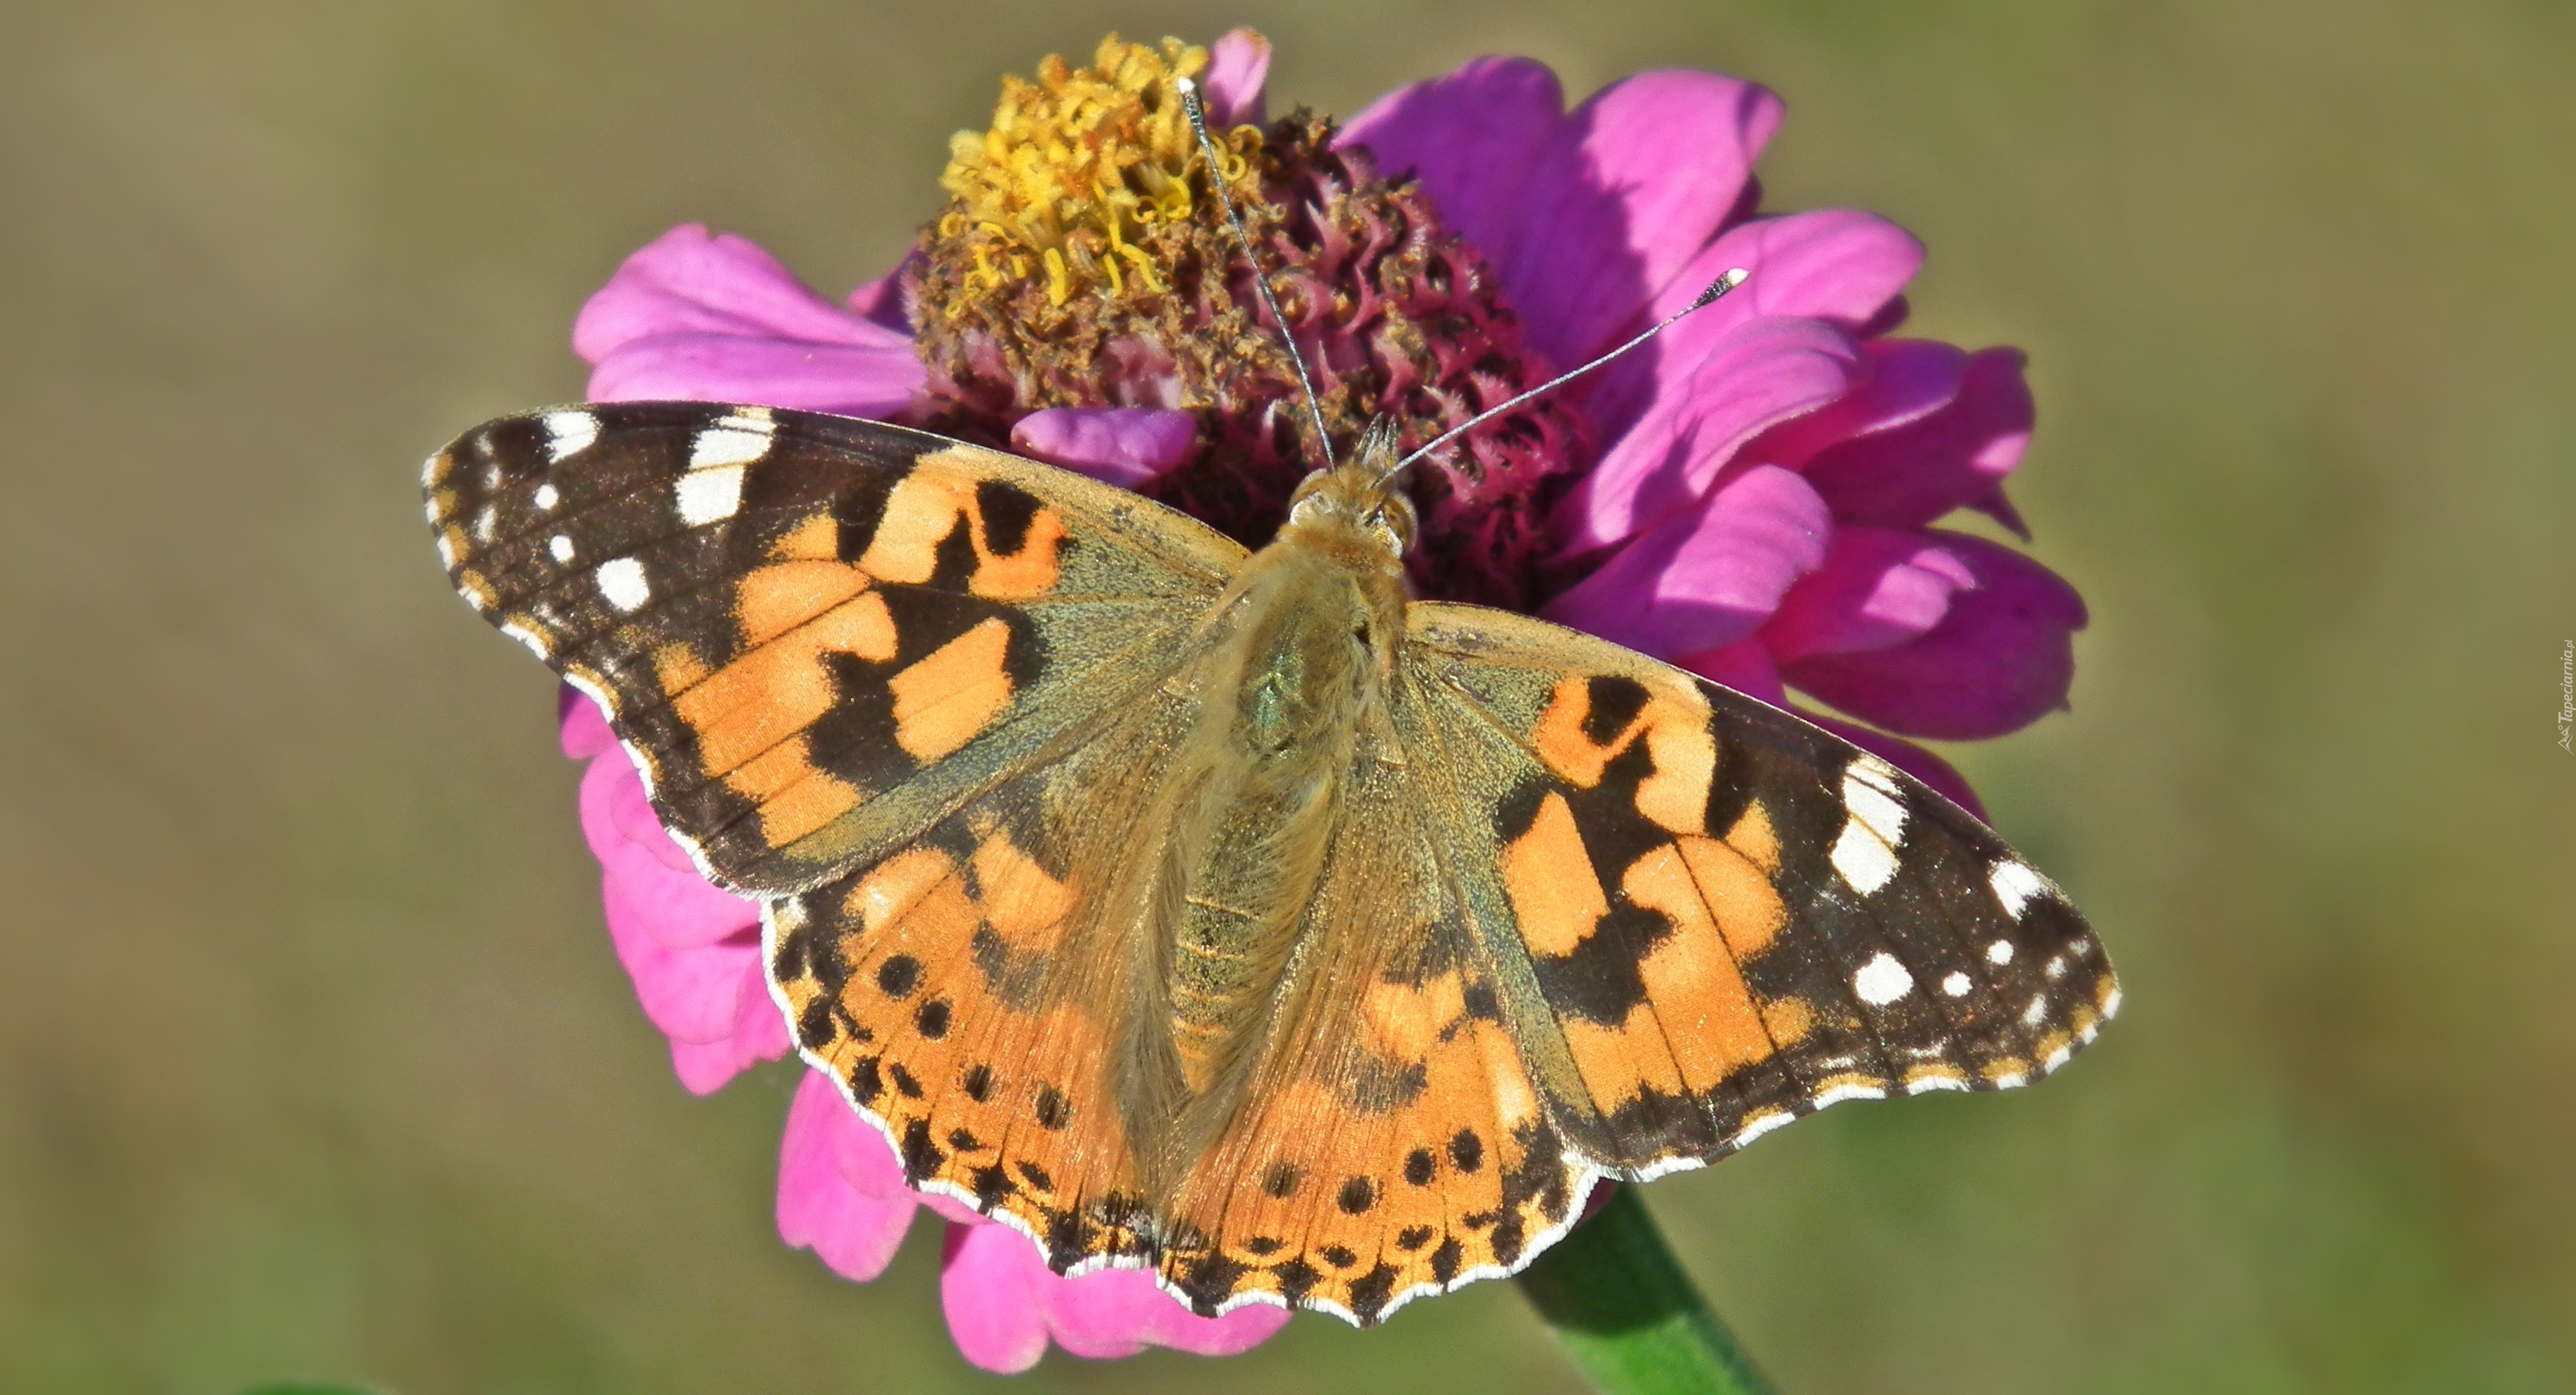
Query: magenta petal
[[992, 1286], [1745, 666], [1238, 65], [1877, 587], [1631, 184], [1707, 577], [692, 994], [584, 730], [1124, 446], [1955, 457], [760, 1034], [1832, 264], [1763, 373], [1908, 380], [881, 300], [2001, 658], [1116, 1312], [1943, 777], [676, 905], [1471, 138], [854, 1228], [717, 319]]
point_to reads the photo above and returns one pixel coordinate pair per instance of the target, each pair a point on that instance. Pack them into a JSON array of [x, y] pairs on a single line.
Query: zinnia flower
[[1751, 496]]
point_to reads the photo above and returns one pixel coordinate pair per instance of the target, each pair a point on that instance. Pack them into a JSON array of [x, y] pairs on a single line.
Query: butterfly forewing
[[1727, 916], [801, 622]]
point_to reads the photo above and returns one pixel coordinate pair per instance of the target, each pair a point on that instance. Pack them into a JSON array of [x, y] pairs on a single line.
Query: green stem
[[1615, 1295]]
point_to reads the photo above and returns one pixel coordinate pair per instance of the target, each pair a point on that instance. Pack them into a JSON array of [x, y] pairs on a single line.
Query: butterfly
[[1235, 913]]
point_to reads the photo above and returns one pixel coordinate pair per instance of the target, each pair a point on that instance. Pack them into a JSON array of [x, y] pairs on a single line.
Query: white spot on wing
[[1926, 1084], [1956, 985], [1761, 1124], [569, 433], [560, 546], [2111, 1005], [2030, 1016], [536, 643], [622, 584], [736, 439], [2000, 952], [486, 524], [1882, 980], [446, 553], [547, 498], [1840, 1093], [1872, 795], [2014, 885], [2055, 1059], [709, 496], [1862, 858], [2010, 1080]]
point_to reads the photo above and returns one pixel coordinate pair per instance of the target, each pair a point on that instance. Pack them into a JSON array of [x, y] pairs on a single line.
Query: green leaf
[[1614, 1294]]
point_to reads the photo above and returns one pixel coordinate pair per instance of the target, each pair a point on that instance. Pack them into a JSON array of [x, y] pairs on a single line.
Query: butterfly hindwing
[[1720, 916], [818, 634]]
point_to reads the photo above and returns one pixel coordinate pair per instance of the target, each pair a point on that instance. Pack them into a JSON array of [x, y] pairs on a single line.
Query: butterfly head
[[1360, 495]]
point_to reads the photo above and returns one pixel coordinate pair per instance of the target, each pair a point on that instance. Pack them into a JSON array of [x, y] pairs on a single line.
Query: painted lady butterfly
[[1234, 913]]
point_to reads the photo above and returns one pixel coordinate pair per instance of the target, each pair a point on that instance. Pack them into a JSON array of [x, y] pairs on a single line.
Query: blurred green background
[[313, 1057]]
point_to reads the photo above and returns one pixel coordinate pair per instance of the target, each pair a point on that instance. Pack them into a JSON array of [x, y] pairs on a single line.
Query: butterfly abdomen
[[1291, 685]]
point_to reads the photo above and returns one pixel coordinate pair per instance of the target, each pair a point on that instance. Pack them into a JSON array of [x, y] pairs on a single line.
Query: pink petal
[[760, 1034], [1744, 666], [1762, 373], [2001, 658], [1470, 138], [1909, 380], [1943, 777], [1124, 446], [1957, 456], [718, 319], [692, 994], [992, 1285], [585, 731], [1117, 1312], [1238, 65], [1708, 577], [1004, 1304], [1831, 264], [1629, 186], [678, 906], [881, 300], [1877, 587], [840, 1190]]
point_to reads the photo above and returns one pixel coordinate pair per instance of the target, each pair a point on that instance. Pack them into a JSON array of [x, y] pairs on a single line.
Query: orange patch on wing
[[1561, 740], [1708, 1018], [1549, 878], [1676, 795], [777, 690], [1790, 1019], [678, 668], [779, 597], [952, 694], [1619, 1063], [1675, 730], [1020, 901], [921, 512], [1747, 907], [1754, 837], [892, 886], [794, 795], [817, 539]]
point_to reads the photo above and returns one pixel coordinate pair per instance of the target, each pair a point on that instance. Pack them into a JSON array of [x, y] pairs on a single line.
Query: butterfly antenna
[[1733, 278], [1260, 282]]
